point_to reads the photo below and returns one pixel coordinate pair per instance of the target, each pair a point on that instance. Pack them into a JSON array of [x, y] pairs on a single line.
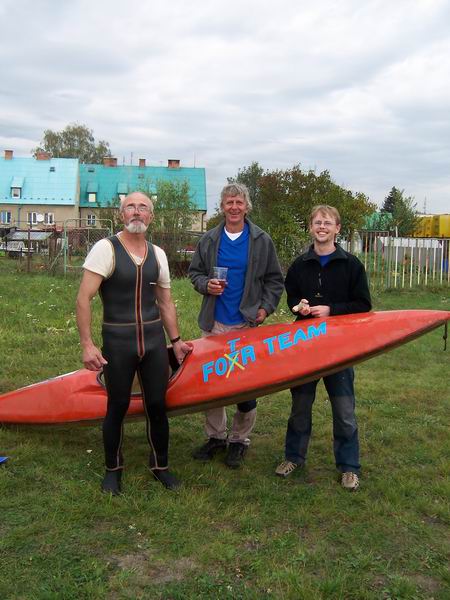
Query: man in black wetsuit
[[132, 278]]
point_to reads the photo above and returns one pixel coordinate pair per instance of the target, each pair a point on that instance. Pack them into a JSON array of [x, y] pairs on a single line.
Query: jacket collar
[[254, 230], [338, 254]]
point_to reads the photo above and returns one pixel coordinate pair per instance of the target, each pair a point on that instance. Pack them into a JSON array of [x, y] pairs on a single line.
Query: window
[[122, 190], [91, 219], [91, 170], [16, 192], [52, 169], [49, 218], [91, 190], [31, 218], [5, 217]]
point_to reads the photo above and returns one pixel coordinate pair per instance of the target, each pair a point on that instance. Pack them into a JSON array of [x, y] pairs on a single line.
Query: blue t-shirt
[[325, 259], [234, 255]]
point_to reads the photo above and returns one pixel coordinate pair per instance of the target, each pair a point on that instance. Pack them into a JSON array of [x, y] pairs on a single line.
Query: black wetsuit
[[134, 342]]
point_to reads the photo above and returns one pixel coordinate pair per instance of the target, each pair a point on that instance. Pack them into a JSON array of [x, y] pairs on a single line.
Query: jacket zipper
[[139, 325]]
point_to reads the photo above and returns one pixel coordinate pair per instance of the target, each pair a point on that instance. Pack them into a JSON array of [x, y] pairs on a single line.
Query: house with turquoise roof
[[54, 191], [104, 185], [38, 190]]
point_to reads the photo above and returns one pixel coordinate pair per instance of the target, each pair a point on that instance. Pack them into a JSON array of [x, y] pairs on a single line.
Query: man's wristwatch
[[175, 340]]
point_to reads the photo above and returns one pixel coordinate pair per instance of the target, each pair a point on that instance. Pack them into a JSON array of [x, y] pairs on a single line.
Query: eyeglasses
[[324, 223], [142, 208]]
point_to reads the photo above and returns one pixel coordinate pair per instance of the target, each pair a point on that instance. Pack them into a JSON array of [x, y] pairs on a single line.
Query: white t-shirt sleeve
[[164, 274], [100, 259]]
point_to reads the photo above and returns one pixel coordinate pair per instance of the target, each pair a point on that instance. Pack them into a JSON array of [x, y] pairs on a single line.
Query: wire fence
[[78, 237], [390, 262]]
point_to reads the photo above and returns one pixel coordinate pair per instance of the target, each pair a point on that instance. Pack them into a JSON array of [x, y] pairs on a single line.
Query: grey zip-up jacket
[[263, 280]]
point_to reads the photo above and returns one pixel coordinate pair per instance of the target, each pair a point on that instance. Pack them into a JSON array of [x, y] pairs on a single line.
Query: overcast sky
[[358, 87]]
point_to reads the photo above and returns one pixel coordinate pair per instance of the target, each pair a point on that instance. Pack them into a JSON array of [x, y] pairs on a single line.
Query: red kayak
[[232, 367]]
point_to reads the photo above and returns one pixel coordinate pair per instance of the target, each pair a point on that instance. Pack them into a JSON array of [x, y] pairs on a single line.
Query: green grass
[[231, 534]]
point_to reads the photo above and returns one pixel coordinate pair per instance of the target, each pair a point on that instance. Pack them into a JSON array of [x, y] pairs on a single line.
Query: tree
[[174, 215], [403, 210], [389, 201], [75, 141], [283, 200], [405, 217]]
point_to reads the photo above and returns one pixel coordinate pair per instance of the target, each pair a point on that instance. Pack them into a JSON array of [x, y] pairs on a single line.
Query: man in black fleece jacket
[[326, 281]]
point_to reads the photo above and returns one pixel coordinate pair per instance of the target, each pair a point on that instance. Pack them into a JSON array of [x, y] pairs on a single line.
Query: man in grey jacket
[[252, 291]]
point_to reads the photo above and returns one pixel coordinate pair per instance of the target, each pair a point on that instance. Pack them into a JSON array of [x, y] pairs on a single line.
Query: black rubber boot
[[168, 480], [111, 483]]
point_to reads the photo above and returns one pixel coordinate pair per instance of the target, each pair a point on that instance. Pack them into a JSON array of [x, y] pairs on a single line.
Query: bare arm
[[169, 319], [92, 357]]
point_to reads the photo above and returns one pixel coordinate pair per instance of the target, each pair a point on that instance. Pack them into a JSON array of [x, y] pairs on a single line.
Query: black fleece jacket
[[341, 284]]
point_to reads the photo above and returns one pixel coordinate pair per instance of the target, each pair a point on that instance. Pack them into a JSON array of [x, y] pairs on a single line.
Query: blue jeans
[[345, 428]]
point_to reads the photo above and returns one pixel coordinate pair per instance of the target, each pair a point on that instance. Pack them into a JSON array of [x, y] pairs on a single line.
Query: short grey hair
[[233, 190], [137, 193]]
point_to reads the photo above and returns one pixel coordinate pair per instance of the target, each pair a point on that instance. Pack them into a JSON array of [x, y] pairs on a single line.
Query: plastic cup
[[220, 273]]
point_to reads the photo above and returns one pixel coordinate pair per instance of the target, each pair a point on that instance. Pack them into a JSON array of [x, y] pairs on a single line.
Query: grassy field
[[228, 534]]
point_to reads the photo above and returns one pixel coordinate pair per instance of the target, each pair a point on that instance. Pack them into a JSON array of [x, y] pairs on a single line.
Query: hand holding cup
[[217, 283]]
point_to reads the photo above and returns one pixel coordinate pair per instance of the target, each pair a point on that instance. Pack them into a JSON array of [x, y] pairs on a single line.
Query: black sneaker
[[235, 455], [208, 450], [111, 483], [168, 480]]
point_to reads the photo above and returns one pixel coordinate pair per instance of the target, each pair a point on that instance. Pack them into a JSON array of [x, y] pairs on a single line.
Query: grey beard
[[136, 227]]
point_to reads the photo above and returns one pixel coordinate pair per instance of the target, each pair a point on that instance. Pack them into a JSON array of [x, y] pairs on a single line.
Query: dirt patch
[[433, 520], [426, 583], [145, 570]]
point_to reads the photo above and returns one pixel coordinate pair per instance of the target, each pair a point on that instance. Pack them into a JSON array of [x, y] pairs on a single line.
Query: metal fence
[[56, 248], [390, 262], [78, 238], [393, 262], [30, 247]]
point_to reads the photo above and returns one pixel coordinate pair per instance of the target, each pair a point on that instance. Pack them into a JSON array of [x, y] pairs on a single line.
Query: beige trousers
[[216, 418]]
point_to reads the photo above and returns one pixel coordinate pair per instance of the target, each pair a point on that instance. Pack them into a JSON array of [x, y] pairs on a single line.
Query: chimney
[[42, 155], [8, 154], [109, 161], [141, 163], [173, 163]]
